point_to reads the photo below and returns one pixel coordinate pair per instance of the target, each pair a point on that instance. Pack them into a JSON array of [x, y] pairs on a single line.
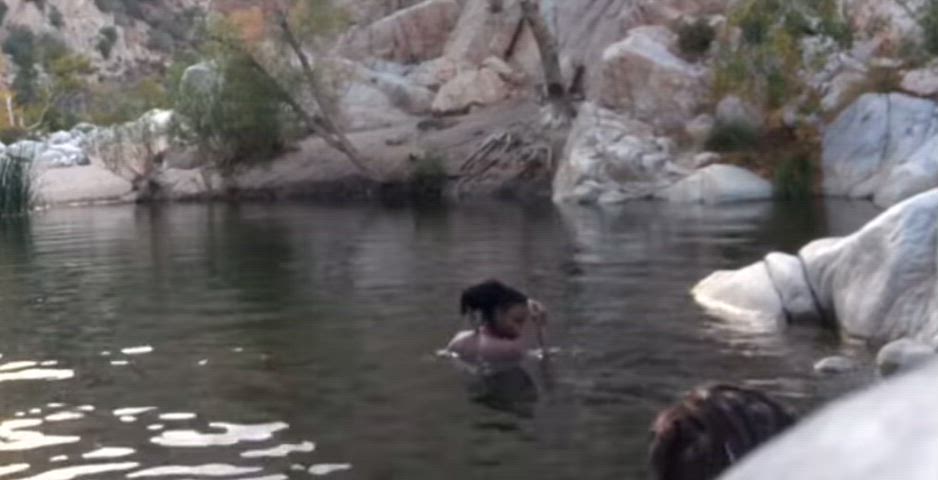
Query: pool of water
[[297, 341]]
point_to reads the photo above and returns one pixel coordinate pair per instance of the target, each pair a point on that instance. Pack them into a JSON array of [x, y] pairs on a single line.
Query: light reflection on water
[[294, 341]]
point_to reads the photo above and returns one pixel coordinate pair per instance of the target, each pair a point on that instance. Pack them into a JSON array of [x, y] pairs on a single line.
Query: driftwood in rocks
[[513, 155]]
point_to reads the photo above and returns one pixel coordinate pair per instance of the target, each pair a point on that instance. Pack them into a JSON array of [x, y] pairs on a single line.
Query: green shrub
[[109, 105], [56, 18], [929, 23], [26, 85], [20, 45], [16, 193], [160, 41], [694, 39], [12, 135], [794, 178], [733, 137], [239, 125], [50, 49], [106, 41], [838, 30], [779, 89]]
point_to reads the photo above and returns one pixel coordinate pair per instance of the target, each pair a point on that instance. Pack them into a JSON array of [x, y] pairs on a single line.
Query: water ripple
[[13, 438], [70, 473], [232, 435], [38, 374], [281, 450], [207, 470]]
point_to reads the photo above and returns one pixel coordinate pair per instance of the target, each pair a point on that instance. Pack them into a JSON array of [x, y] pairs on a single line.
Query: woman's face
[[509, 322]]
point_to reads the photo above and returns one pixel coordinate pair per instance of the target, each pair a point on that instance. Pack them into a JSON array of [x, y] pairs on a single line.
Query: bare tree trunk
[[556, 90], [10, 110], [326, 125]]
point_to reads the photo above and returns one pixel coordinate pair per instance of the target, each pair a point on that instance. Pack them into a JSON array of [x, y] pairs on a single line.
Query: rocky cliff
[[664, 89]]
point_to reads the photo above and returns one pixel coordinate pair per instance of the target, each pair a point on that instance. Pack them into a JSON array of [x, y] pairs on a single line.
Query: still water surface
[[297, 341]]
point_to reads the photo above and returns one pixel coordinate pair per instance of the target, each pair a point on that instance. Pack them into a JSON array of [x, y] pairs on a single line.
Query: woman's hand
[[538, 312]]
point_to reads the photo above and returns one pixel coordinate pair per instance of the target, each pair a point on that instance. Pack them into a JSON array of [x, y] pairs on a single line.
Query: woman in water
[[711, 429], [500, 315]]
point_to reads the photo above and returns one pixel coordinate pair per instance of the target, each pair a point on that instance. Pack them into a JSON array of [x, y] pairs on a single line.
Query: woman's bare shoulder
[[461, 339]]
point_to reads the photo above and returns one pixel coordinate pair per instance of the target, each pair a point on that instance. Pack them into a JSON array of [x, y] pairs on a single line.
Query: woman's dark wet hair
[[487, 298], [712, 428]]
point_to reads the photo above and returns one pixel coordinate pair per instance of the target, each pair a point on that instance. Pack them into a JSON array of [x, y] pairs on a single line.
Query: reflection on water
[[508, 389], [291, 341]]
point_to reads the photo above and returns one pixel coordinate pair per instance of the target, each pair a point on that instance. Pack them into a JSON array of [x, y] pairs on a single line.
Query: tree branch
[[333, 134]]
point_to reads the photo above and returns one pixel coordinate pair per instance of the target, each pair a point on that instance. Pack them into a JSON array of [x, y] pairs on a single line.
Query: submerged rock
[[747, 295], [887, 431], [835, 365], [902, 355]]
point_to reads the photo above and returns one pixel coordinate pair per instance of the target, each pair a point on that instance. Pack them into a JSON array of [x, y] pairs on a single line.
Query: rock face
[[922, 82], [611, 158], [82, 24], [80, 185], [486, 85], [887, 431], [736, 111], [718, 184], [483, 31], [642, 76], [890, 21], [879, 283], [412, 35], [882, 146]]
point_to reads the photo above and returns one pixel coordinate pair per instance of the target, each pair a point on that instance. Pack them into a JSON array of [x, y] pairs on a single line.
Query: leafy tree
[[56, 18], [262, 47], [106, 41]]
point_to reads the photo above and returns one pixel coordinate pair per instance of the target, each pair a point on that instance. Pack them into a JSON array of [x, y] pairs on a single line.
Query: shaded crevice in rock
[[789, 318], [827, 318]]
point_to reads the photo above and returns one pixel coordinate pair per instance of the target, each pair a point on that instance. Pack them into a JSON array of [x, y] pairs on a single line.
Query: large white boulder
[[643, 76], [412, 35], [885, 432], [485, 85], [612, 158], [866, 149], [716, 184], [483, 31], [747, 295], [889, 21], [921, 81], [55, 186], [879, 284]]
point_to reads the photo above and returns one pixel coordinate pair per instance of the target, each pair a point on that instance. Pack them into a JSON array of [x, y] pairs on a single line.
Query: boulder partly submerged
[[878, 284], [887, 431], [715, 184]]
